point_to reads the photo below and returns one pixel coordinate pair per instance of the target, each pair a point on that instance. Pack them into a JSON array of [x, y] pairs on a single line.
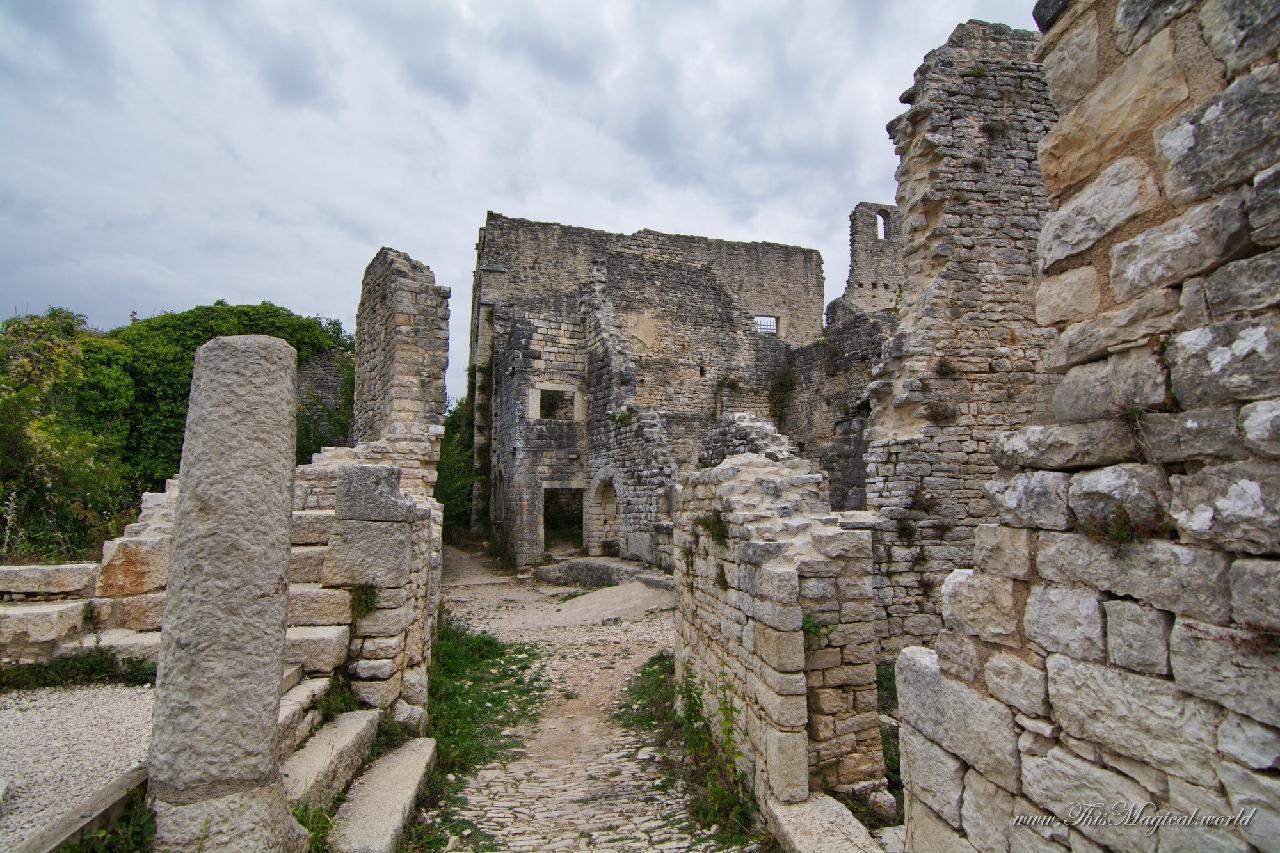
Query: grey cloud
[[67, 33]]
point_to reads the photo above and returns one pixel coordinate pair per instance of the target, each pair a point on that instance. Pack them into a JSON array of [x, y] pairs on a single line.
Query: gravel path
[[583, 782], [61, 745]]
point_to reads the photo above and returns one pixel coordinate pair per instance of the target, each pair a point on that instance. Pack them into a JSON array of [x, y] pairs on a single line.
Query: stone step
[[125, 643], [61, 579], [290, 677], [298, 719], [379, 803], [30, 629], [305, 562], [311, 526], [319, 648], [316, 774], [312, 604]]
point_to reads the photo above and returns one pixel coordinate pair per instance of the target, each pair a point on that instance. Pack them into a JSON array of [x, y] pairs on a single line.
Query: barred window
[[767, 325]]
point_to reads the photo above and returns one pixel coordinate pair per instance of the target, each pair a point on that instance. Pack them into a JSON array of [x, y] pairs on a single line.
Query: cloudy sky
[[157, 156]]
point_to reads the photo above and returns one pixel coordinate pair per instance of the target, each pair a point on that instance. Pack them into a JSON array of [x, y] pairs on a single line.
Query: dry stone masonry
[[1115, 638], [962, 365], [214, 777], [599, 361], [776, 616]]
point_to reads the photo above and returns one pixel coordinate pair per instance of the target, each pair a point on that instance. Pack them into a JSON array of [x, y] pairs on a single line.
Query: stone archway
[[600, 523]]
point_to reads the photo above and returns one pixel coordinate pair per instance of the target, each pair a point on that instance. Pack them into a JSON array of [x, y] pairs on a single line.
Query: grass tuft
[[363, 600], [318, 823], [715, 525], [338, 699], [97, 665], [699, 751], [480, 689]]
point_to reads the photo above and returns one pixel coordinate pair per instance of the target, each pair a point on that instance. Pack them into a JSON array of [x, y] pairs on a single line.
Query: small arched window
[[882, 224]]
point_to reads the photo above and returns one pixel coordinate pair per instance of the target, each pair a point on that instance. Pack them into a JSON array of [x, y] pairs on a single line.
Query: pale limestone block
[[932, 774], [1034, 499], [1234, 506], [1125, 189], [980, 605], [1255, 593], [1204, 237], [1249, 742], [1069, 297], [1138, 637], [1227, 666], [1065, 619], [1013, 680], [986, 814], [1186, 580], [977, 729], [1061, 781], [1136, 492], [1135, 715]]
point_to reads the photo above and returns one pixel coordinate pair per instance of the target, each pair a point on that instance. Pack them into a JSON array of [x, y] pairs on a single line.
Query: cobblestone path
[[583, 782]]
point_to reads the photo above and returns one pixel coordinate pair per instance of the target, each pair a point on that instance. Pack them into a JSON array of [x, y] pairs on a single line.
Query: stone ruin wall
[[666, 324], [825, 413], [542, 353], [400, 367], [875, 268], [631, 467], [963, 364], [1145, 668], [775, 615]]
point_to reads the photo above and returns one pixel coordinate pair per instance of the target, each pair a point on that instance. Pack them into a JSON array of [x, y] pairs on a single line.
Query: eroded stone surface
[[1065, 619], [1235, 505], [1123, 190], [213, 766]]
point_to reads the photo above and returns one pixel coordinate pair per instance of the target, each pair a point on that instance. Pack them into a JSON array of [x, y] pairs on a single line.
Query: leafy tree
[[89, 420], [62, 486], [457, 471]]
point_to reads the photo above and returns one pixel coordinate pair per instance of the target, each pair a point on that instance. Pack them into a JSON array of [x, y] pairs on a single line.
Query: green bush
[[456, 472], [89, 420], [97, 665]]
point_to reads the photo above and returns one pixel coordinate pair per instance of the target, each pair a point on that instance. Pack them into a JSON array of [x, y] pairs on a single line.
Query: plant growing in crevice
[[1119, 530], [815, 632], [363, 600], [715, 526], [922, 500], [906, 530]]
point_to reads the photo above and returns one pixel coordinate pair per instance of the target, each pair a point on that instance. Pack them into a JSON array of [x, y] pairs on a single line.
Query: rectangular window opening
[[556, 405], [766, 325]]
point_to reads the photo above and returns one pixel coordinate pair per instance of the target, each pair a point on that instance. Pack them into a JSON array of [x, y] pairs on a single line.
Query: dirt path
[[583, 782]]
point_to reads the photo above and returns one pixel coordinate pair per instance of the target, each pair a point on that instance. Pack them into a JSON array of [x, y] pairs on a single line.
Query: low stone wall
[[1117, 640], [776, 620]]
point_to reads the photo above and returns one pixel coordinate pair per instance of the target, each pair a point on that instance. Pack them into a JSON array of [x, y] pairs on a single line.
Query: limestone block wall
[[776, 615], [964, 363], [686, 309], [1116, 638], [631, 469], [826, 408], [542, 354], [875, 248], [402, 332]]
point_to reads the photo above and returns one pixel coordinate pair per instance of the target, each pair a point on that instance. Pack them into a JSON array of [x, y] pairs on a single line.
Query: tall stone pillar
[[214, 777]]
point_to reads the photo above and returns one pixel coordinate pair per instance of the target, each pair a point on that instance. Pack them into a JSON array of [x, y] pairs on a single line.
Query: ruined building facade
[[600, 361]]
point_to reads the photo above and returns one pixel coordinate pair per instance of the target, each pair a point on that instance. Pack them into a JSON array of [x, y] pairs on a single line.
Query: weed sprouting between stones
[[363, 600], [97, 665], [318, 823], [715, 525], [480, 689], [718, 793], [338, 699]]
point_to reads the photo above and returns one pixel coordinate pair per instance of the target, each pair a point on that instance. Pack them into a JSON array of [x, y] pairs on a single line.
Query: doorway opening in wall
[[562, 519], [603, 514]]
